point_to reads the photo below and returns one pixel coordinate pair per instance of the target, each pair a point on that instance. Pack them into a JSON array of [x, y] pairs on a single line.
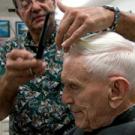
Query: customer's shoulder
[[71, 132], [75, 131], [122, 129]]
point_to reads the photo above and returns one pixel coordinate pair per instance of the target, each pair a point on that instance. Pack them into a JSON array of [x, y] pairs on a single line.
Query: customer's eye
[[73, 86]]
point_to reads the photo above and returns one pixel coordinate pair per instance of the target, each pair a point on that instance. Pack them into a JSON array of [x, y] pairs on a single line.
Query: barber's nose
[[67, 97], [35, 5]]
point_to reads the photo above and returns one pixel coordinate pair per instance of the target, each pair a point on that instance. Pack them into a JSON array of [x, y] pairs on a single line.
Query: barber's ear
[[118, 91], [17, 12]]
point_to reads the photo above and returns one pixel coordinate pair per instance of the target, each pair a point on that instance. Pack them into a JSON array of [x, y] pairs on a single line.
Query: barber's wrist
[[7, 79], [6, 107], [116, 18], [8, 88]]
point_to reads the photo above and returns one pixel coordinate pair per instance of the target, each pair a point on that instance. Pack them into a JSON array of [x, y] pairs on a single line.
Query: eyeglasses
[[25, 4]]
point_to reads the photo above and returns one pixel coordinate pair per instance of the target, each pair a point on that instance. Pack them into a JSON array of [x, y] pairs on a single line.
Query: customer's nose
[[67, 97]]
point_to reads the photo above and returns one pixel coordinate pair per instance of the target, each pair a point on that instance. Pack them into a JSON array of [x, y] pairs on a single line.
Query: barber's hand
[[79, 21], [21, 66]]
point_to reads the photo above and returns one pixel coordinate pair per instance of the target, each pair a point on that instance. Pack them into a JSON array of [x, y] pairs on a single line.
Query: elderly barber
[[30, 88]]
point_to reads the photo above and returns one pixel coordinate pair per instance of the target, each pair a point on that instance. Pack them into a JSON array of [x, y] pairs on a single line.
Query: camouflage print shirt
[[38, 109]]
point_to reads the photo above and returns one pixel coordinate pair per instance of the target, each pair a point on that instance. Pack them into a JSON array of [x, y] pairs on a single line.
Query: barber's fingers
[[19, 53], [71, 21], [39, 68], [20, 60], [75, 36], [20, 73], [72, 28], [69, 33], [63, 28], [77, 23], [21, 64], [24, 71], [18, 77], [62, 7]]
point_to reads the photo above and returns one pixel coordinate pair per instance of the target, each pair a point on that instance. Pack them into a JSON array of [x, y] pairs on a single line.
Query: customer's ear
[[118, 91]]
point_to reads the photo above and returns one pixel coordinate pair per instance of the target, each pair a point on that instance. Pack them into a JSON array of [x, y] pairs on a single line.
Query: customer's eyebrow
[[71, 81]]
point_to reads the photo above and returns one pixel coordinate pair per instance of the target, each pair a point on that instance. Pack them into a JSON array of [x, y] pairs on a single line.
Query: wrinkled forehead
[[18, 1], [32, 0], [75, 65]]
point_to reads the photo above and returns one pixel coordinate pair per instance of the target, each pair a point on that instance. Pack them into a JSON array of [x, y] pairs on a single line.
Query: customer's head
[[33, 12], [99, 79]]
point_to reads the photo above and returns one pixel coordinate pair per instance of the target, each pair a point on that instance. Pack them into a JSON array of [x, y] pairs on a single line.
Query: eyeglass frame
[[18, 4]]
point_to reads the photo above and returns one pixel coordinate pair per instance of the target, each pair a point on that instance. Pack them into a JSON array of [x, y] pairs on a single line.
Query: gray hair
[[107, 54]]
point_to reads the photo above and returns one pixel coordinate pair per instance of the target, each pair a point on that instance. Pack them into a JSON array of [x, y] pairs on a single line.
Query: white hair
[[107, 54]]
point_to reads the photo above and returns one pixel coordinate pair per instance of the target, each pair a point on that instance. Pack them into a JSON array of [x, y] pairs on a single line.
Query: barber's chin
[[38, 27], [38, 24]]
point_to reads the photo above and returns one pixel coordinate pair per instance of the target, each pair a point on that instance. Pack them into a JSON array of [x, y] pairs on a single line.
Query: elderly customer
[[99, 85]]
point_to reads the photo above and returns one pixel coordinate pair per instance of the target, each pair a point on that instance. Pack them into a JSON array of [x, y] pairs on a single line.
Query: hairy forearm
[[8, 93], [126, 26]]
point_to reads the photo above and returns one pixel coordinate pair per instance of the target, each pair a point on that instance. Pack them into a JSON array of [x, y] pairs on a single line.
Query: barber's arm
[[21, 67], [7, 96], [126, 26], [79, 21]]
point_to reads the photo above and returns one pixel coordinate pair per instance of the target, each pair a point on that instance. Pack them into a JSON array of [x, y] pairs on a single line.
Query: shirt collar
[[30, 45]]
